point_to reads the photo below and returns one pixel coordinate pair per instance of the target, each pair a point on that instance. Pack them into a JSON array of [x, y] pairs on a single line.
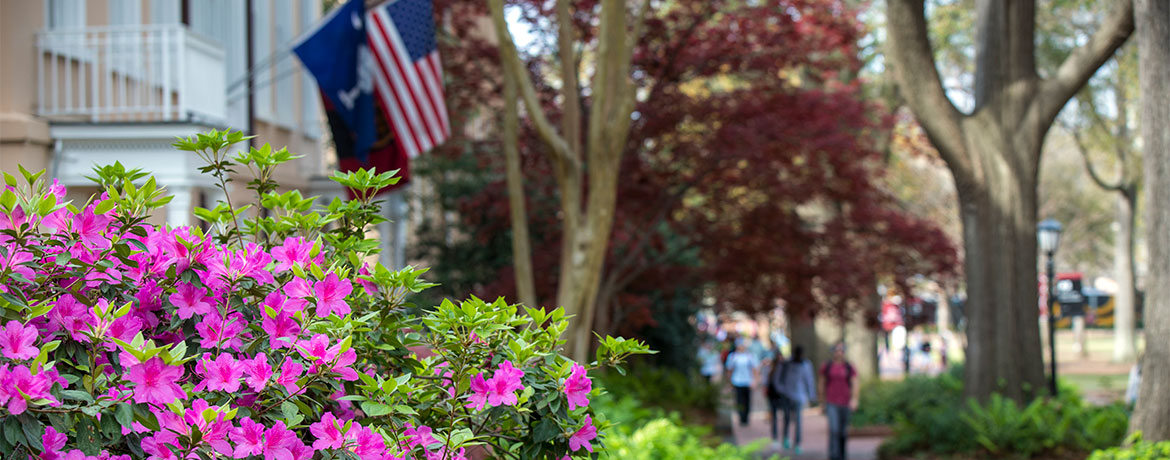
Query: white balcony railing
[[139, 73]]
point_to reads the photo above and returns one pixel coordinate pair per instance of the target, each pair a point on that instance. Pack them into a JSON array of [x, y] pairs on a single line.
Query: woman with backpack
[[774, 391], [799, 389], [840, 397]]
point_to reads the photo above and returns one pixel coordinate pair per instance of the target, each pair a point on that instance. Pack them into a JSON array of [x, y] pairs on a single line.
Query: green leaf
[[374, 409], [124, 414]]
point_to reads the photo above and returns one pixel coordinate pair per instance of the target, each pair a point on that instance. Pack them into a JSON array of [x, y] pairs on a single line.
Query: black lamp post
[[1048, 236]]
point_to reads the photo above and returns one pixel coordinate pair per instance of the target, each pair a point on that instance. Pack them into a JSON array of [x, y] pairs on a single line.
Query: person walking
[[774, 391], [840, 397], [741, 367], [799, 387], [708, 361]]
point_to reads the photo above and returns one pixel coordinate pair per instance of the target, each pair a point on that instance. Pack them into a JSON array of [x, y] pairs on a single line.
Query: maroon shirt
[[838, 383]]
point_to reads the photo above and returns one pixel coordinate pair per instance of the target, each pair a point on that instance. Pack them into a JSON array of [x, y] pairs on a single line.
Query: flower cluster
[[125, 340]]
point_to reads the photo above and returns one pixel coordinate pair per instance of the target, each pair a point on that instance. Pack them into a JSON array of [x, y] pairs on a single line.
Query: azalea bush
[[271, 336]]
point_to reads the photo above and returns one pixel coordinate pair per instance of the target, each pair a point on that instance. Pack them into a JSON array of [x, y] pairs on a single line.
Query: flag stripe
[[412, 121], [437, 68], [403, 130], [409, 76], [434, 90]]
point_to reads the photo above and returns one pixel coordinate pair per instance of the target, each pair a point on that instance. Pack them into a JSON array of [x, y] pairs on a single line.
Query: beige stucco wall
[[24, 139]]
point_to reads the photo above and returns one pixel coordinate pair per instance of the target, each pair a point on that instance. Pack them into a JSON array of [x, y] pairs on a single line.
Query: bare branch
[[1083, 62], [511, 58], [914, 70], [1096, 176], [570, 91]]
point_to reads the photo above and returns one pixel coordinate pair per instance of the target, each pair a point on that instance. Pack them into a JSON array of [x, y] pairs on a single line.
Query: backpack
[[771, 390], [850, 373]]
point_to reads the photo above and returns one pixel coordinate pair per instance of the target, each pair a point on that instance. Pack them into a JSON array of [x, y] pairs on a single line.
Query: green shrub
[[930, 416], [1138, 450], [881, 401], [665, 388], [652, 428]]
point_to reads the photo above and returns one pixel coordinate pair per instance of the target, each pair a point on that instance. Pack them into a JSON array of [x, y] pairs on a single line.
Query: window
[[64, 14], [125, 12], [165, 12]]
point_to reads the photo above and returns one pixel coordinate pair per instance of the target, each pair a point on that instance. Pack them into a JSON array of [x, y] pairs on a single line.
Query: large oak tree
[[1152, 414], [993, 153]]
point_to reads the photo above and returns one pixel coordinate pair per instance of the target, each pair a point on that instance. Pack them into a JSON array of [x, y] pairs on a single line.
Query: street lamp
[[1048, 236]]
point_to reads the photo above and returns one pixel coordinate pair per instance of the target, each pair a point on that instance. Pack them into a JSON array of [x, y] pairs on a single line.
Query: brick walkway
[[815, 444]]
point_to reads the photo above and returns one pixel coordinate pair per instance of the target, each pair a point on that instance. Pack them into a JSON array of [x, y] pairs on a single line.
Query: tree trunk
[[999, 236], [521, 246], [1124, 304], [994, 156], [1152, 414], [861, 340]]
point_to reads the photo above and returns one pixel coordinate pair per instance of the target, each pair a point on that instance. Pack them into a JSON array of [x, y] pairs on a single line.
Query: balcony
[[130, 74]]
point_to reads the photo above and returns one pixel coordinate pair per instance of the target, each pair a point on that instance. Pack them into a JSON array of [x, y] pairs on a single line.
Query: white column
[[393, 233], [179, 209]]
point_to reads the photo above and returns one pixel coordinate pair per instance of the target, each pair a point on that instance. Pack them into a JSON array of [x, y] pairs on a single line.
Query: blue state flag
[[336, 54]]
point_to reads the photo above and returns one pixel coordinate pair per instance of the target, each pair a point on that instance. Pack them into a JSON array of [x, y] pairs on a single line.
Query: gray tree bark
[[1125, 305], [521, 244], [994, 154], [1152, 414], [861, 341], [587, 220]]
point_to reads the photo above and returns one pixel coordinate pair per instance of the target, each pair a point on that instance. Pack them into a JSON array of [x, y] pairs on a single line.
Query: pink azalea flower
[[124, 329], [283, 326], [369, 287], [421, 436], [274, 300], [297, 290], [295, 251], [280, 443], [367, 444], [15, 262], [258, 371], [189, 299], [327, 432], [503, 385], [256, 262], [16, 341], [72, 316], [577, 387], [330, 294], [159, 445], [90, 228], [582, 437], [223, 373], [249, 438], [290, 371], [53, 442], [317, 348], [479, 393], [342, 365], [155, 382], [21, 380]]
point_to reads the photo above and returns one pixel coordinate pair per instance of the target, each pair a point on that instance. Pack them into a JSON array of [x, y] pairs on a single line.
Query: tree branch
[[1096, 176], [914, 70], [1083, 62], [570, 91], [511, 57]]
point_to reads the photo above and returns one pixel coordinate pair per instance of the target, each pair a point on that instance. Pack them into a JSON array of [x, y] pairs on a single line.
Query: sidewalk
[[815, 444]]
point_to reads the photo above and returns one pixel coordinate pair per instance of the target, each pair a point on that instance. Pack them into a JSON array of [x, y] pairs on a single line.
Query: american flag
[[409, 79]]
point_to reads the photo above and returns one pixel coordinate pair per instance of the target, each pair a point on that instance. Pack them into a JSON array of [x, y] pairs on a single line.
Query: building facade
[[91, 82]]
